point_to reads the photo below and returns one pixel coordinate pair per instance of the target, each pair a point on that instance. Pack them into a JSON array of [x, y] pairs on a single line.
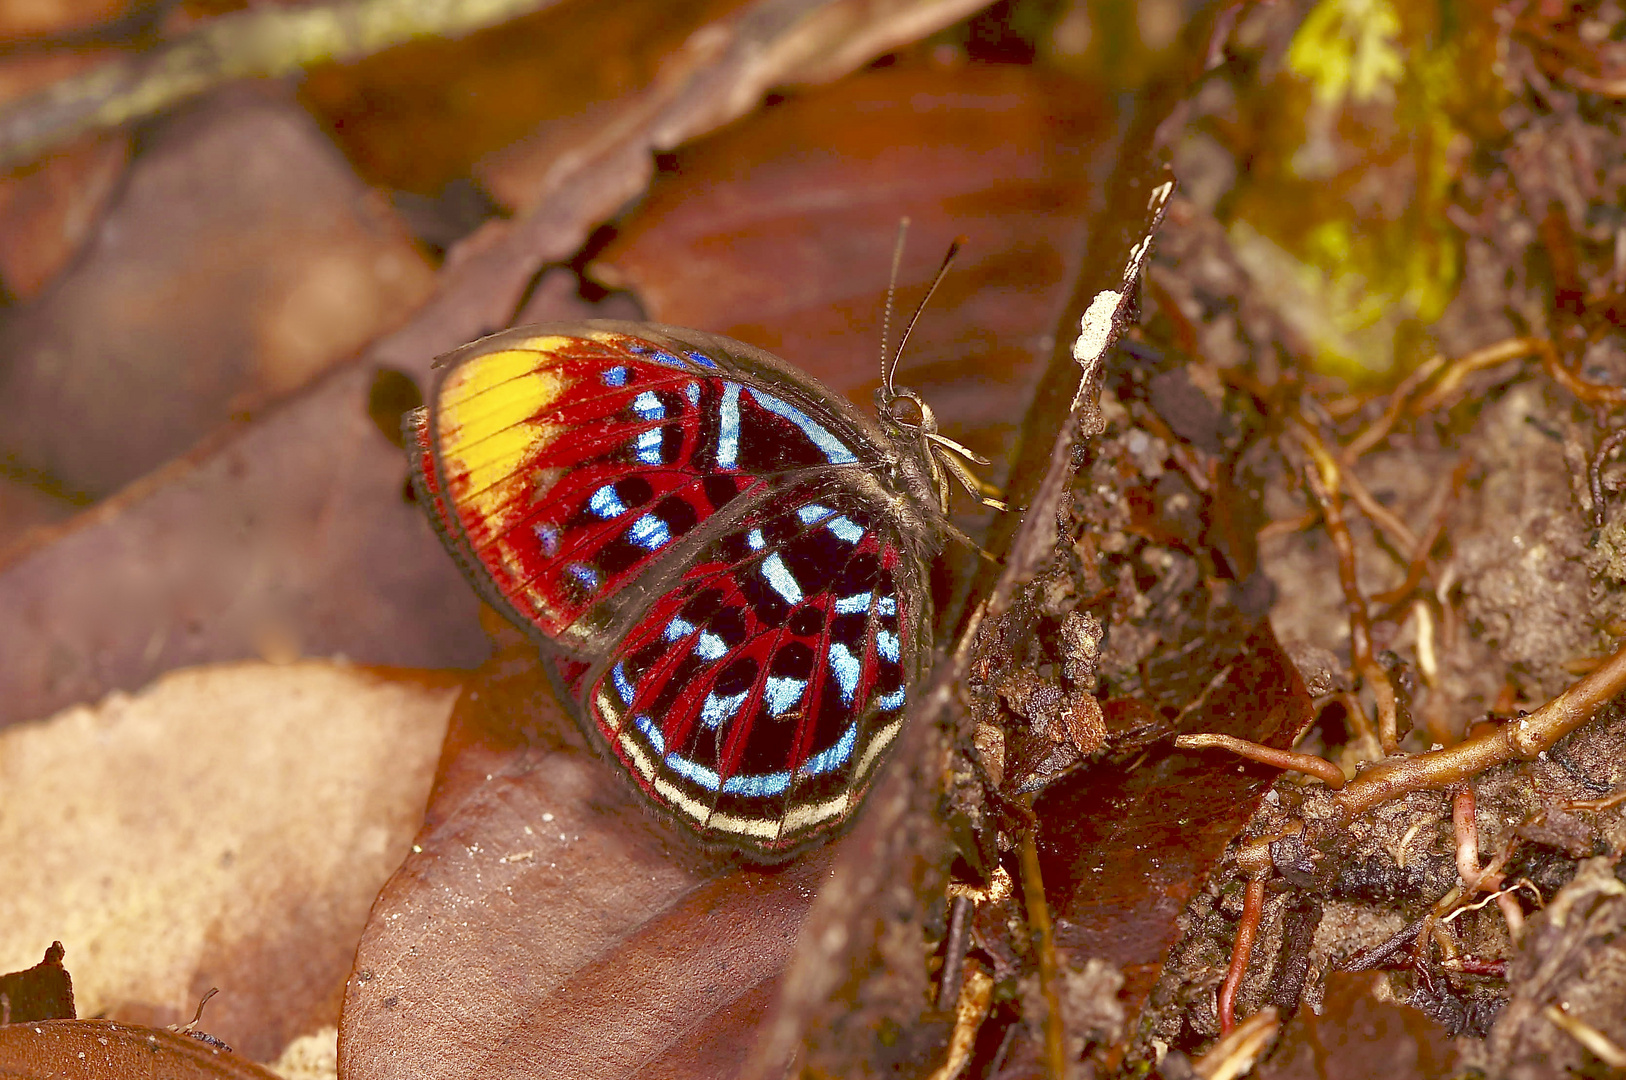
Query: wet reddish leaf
[[1355, 1034], [546, 924], [1123, 853]]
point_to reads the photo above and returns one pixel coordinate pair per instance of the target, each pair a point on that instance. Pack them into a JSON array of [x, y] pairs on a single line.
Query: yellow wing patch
[[488, 428]]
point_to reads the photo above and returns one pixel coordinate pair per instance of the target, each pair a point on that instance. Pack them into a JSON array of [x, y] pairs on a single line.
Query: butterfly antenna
[[891, 290], [937, 279]]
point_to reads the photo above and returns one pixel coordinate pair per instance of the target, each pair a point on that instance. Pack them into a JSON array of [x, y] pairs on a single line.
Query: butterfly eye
[[904, 411]]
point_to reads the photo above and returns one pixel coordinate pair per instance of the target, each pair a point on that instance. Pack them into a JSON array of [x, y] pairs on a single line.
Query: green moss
[[1353, 153]]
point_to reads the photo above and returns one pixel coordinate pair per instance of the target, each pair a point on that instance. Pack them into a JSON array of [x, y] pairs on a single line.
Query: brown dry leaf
[[426, 113], [719, 74], [779, 231], [225, 827], [294, 529], [547, 925], [105, 1049], [31, 18], [240, 259], [291, 539], [48, 210]]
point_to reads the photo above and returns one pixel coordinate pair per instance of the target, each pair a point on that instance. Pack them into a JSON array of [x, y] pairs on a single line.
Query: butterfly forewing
[[699, 532]]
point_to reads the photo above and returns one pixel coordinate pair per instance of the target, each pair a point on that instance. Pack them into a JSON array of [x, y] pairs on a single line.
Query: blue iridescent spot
[[678, 629], [648, 406], [660, 356], [755, 540], [728, 421], [783, 694], [616, 376], [758, 786], [692, 392], [887, 605], [652, 732], [780, 579], [847, 668], [846, 529], [886, 643], [548, 537], [623, 685], [649, 446], [834, 450], [700, 358], [690, 770], [606, 503], [584, 574], [710, 646], [856, 604], [833, 758], [649, 532], [717, 709], [890, 702]]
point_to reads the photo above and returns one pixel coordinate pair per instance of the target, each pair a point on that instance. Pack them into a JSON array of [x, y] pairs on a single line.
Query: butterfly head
[[926, 459]]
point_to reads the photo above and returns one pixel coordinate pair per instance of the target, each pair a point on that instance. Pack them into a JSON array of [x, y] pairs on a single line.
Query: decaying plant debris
[[1453, 538]]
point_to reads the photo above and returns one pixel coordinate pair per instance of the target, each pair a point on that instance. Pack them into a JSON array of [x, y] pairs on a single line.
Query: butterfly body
[[724, 562]]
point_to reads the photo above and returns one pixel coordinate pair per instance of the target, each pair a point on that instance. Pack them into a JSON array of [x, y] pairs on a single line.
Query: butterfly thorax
[[914, 470]]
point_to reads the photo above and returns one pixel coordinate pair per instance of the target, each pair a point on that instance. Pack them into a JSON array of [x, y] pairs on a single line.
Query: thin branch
[[1038, 911], [1328, 772], [259, 42], [1325, 480], [1521, 739], [1253, 907]]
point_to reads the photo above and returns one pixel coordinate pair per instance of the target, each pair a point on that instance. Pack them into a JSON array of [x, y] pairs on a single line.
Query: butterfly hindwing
[[757, 694], [699, 532]]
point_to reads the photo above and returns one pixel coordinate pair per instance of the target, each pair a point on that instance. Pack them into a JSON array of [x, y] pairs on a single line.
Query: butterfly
[[724, 561]]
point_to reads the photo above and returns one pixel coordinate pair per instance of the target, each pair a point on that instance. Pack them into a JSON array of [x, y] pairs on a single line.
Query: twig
[[263, 41], [1606, 1049], [1460, 368], [1520, 739], [1381, 515], [1594, 473], [1234, 1055], [1253, 907], [955, 945], [1328, 772], [1376, 431], [1287, 526], [970, 1010], [1324, 478], [1582, 387], [1431, 536], [1038, 911]]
